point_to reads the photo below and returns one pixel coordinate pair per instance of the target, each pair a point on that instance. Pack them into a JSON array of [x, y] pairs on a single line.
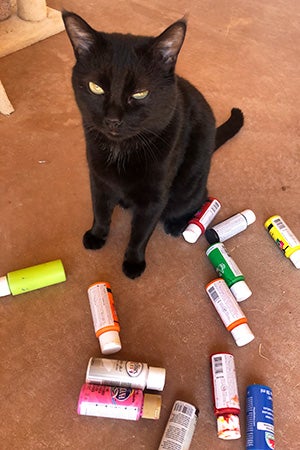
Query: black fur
[[152, 154]]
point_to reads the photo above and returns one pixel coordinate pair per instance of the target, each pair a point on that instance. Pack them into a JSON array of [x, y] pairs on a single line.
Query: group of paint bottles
[[259, 406], [116, 388], [226, 293]]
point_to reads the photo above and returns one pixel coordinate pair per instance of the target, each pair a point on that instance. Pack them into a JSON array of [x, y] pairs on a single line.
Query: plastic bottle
[[32, 278], [230, 227], [105, 319], [230, 312], [226, 397], [198, 224], [118, 402], [260, 418], [284, 238], [227, 269], [180, 428], [125, 373]]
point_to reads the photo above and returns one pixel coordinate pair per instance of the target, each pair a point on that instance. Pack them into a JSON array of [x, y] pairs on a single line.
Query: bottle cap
[[156, 378], [249, 216], [295, 258], [240, 290], [4, 287], [242, 334], [192, 233], [212, 236], [228, 427], [110, 342], [151, 406]]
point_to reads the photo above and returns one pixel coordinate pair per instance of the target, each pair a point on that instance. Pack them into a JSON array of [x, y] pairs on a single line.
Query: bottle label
[[180, 427], [225, 303], [102, 307], [230, 227], [207, 213], [224, 383], [282, 235], [117, 373], [114, 402], [223, 263], [260, 418]]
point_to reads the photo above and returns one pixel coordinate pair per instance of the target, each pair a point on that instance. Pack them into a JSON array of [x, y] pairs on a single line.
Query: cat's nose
[[112, 124]]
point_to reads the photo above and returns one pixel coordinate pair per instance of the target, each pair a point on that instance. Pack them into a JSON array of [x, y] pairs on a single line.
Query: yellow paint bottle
[[284, 238]]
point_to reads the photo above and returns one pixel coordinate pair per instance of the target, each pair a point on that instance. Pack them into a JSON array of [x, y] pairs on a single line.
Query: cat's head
[[124, 85]]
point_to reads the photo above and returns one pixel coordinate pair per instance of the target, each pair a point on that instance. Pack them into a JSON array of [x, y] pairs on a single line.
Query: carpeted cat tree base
[[16, 34]]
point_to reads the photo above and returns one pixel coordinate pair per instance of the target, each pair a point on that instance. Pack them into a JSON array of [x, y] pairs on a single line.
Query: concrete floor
[[243, 54]]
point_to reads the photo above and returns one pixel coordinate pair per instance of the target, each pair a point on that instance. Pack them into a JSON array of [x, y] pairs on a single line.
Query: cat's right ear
[[168, 44], [82, 36]]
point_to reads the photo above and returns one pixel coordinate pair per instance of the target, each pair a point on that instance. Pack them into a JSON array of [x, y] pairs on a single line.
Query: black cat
[[150, 134]]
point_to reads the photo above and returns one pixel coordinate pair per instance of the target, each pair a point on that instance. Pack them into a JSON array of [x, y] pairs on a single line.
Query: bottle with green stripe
[[227, 269]]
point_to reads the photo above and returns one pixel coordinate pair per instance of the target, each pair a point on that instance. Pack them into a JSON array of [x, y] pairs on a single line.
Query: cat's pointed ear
[[168, 44], [81, 35]]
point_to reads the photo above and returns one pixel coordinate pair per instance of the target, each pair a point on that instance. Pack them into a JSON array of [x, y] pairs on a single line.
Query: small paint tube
[[284, 238], [105, 319], [226, 398], [260, 418], [180, 428], [198, 224], [227, 269], [229, 311], [118, 402], [230, 227], [125, 373], [32, 278]]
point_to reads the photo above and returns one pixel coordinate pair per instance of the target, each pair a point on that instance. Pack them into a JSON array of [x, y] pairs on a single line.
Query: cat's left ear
[[168, 44], [81, 35]]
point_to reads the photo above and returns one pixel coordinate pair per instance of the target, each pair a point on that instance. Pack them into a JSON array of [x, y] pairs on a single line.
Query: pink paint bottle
[[117, 402]]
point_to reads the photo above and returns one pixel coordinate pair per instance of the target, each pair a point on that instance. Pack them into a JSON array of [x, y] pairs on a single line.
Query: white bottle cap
[[192, 233], [295, 258], [156, 378], [249, 216], [242, 334], [240, 290], [228, 427], [4, 287], [110, 342]]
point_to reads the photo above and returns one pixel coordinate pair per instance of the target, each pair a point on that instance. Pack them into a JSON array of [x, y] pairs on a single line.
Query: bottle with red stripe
[[198, 224]]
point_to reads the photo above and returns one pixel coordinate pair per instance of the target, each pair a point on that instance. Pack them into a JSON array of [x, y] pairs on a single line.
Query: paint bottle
[[229, 311], [230, 227], [32, 278], [118, 402], [226, 397], [260, 418], [105, 319], [125, 373], [180, 428], [227, 269], [198, 224], [284, 238]]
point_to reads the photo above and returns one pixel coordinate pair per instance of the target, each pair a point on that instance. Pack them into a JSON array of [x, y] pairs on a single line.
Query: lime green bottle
[[227, 269], [31, 278]]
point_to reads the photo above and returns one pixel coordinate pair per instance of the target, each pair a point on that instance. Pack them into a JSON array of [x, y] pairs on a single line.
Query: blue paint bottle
[[260, 418]]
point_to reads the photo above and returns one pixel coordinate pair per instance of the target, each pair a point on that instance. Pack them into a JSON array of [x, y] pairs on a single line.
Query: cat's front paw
[[174, 227], [92, 242], [133, 269]]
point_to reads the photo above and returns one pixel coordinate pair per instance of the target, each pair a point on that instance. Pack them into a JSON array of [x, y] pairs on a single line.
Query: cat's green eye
[[140, 95], [95, 88]]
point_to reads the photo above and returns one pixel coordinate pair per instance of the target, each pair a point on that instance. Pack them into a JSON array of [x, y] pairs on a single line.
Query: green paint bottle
[[31, 278], [229, 271]]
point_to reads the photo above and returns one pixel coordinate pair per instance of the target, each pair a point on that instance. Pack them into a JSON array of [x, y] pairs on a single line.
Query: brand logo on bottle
[[134, 368], [220, 269], [121, 393], [270, 440]]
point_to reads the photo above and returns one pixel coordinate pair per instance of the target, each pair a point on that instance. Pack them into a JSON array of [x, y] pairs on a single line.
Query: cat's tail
[[229, 128]]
